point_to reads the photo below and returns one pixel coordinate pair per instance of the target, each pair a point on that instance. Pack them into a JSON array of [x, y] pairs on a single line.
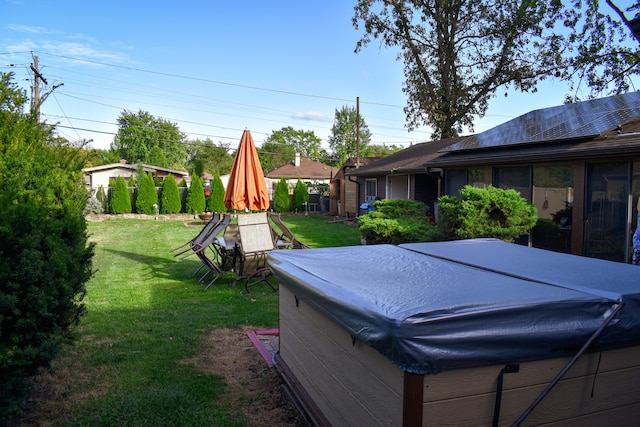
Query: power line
[[179, 76]]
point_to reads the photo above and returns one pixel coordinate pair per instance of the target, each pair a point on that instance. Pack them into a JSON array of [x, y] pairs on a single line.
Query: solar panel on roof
[[581, 119]]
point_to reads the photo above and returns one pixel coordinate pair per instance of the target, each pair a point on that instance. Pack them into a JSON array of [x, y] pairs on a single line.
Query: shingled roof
[[308, 169], [409, 160]]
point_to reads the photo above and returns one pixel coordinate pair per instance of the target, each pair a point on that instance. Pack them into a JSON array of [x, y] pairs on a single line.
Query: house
[[316, 174], [344, 190], [579, 164], [97, 176], [402, 175]]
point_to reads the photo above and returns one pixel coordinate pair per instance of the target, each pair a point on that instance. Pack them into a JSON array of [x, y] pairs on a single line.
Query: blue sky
[[215, 68]]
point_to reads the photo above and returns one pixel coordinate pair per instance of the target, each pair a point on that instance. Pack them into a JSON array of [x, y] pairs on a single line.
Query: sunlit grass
[[147, 314]]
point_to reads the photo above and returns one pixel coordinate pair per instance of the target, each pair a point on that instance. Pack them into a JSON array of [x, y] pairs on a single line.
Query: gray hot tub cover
[[430, 307]]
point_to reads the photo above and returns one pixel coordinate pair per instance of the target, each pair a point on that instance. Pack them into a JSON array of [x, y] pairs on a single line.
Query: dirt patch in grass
[[251, 384], [253, 390]]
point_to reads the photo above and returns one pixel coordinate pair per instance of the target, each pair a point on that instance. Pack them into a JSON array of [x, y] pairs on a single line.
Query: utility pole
[[357, 132], [35, 98]]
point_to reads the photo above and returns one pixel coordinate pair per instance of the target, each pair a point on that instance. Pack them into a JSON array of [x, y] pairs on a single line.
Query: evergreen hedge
[[300, 197], [196, 202], [281, 200], [170, 196], [147, 195], [216, 198], [45, 257], [486, 212], [398, 221], [120, 198]]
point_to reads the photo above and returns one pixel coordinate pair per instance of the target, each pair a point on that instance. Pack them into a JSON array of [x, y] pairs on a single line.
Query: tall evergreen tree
[[120, 197], [147, 195], [170, 196], [196, 202], [281, 200], [300, 197], [45, 257], [216, 198]]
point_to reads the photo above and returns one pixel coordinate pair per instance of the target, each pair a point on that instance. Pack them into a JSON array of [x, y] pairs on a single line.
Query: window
[[370, 190], [553, 198], [454, 180]]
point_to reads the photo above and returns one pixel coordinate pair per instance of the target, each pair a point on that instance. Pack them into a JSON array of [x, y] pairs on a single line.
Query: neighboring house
[[344, 190], [305, 170], [97, 176], [579, 164], [402, 175]]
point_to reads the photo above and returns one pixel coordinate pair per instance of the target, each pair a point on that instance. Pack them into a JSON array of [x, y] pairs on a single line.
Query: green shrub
[[93, 205], [45, 257], [216, 198], [300, 197], [147, 195], [281, 200], [486, 212], [102, 197], [131, 183], [195, 196], [112, 182], [398, 221], [120, 198], [170, 196]]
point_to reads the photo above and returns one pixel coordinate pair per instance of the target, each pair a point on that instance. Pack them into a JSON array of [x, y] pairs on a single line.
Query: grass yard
[[147, 318]]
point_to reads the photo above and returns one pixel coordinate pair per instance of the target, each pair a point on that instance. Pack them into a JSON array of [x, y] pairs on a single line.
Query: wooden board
[[347, 382]]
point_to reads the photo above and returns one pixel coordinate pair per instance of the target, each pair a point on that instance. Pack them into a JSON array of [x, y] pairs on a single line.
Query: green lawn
[[146, 313]]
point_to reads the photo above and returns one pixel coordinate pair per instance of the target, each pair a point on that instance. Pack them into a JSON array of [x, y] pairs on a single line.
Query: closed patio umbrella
[[247, 188]]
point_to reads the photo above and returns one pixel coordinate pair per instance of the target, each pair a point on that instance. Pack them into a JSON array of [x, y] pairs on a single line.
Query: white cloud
[[30, 29], [312, 116]]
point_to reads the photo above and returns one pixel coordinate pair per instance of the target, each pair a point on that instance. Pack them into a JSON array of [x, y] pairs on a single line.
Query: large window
[[370, 190], [553, 198], [454, 180], [635, 200], [607, 211]]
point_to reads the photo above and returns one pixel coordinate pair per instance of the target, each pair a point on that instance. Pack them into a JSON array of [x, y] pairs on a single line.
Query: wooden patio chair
[[254, 245]]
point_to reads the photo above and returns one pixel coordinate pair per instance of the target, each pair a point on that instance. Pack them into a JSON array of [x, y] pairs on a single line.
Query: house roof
[[132, 167], [580, 120], [308, 169], [409, 160], [351, 163], [619, 133]]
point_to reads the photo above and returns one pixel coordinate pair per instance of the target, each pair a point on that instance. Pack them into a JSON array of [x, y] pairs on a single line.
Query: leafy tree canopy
[[206, 156], [343, 140], [281, 146], [374, 150], [458, 54], [143, 138]]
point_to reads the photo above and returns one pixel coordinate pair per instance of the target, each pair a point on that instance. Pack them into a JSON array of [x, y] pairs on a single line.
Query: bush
[[147, 195], [93, 205], [120, 198], [45, 258], [281, 200], [398, 221], [102, 198], [300, 197], [195, 196], [486, 212], [216, 198], [170, 196]]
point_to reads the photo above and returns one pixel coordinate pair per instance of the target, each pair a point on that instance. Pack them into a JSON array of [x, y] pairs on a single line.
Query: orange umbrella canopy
[[247, 188]]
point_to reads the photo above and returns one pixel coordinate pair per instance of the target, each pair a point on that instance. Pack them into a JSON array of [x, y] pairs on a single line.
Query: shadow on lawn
[[161, 266]]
